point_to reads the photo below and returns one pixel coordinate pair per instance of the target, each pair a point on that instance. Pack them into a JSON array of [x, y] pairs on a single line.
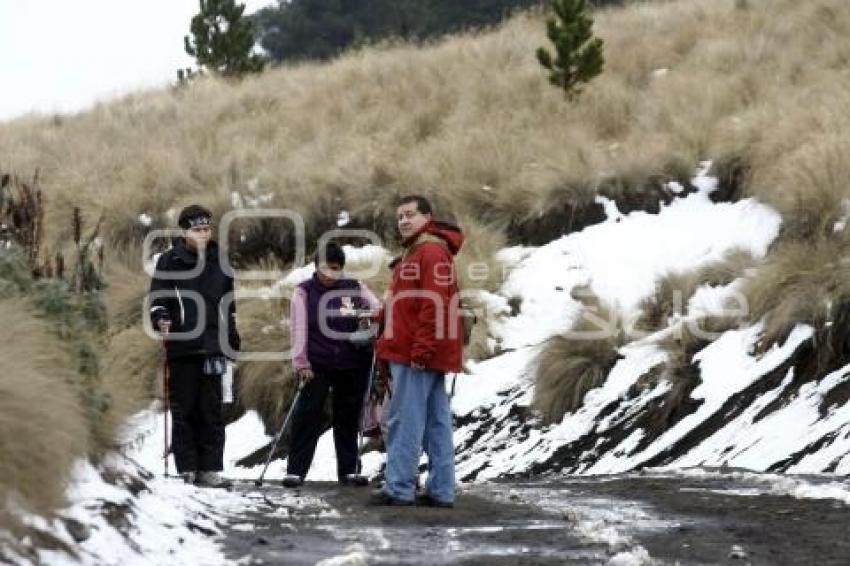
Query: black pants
[[348, 389], [197, 426]]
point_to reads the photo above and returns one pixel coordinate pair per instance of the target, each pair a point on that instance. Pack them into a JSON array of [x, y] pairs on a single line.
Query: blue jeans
[[419, 416]]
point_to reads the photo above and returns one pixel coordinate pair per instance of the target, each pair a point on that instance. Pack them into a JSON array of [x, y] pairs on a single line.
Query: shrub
[[42, 428], [570, 365]]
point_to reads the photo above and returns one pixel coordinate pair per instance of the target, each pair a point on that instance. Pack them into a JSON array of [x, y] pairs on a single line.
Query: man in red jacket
[[422, 341]]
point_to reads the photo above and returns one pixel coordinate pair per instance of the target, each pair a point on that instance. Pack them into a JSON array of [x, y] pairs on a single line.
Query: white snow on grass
[[622, 258], [158, 530], [486, 379], [247, 434], [637, 556]]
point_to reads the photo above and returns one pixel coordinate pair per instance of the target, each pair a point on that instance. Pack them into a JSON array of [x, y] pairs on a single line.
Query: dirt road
[[621, 520]]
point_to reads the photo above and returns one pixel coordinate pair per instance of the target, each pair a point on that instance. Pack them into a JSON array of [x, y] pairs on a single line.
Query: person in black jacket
[[192, 306]]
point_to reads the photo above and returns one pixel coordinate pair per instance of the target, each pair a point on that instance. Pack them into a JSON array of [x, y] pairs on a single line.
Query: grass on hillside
[[472, 121]]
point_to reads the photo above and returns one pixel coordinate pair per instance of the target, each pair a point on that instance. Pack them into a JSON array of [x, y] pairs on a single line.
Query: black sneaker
[[355, 480], [292, 480], [380, 497], [425, 500]]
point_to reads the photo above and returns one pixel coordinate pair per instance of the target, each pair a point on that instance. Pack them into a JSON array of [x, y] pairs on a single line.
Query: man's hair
[[190, 215], [333, 253], [423, 205]]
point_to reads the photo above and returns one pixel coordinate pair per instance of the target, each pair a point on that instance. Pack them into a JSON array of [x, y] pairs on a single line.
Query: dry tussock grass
[[684, 81], [43, 430], [572, 364], [674, 290], [687, 339], [127, 287], [801, 282], [265, 386], [468, 112], [131, 370]]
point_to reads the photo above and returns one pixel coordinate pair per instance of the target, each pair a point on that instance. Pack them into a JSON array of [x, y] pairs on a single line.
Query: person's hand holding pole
[[305, 375]]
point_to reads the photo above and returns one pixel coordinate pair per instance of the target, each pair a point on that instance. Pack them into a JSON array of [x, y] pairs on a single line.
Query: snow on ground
[[782, 432], [821, 486], [135, 515], [620, 260], [597, 520], [162, 526], [168, 522]]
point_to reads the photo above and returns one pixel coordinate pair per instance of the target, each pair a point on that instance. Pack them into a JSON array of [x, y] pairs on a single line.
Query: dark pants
[[197, 426], [348, 390]]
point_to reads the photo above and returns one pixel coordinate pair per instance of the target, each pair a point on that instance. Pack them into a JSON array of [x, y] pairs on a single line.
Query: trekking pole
[[362, 406], [166, 378], [259, 481]]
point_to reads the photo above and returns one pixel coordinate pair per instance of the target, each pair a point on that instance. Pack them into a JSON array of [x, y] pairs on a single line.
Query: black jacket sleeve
[[164, 306], [232, 332]]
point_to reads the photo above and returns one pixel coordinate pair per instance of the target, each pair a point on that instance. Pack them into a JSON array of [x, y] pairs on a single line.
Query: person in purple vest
[[328, 354]]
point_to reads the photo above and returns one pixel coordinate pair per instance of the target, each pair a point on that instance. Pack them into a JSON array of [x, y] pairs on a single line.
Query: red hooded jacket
[[422, 316]]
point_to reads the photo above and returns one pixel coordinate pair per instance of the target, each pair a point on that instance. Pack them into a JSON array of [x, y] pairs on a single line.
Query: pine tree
[[222, 40], [578, 54]]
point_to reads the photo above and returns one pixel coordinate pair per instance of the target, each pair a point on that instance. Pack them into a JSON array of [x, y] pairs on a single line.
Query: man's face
[[199, 236], [410, 220]]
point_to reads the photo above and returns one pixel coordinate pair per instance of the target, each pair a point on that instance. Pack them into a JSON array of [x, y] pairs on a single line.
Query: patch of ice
[[355, 555]]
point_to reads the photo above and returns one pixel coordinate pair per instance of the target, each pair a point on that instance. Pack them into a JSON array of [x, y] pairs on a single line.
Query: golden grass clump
[[675, 289], [570, 365], [265, 386], [802, 282], [126, 289], [43, 429]]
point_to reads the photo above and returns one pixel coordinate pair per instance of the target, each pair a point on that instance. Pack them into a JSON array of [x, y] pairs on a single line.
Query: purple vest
[[334, 352]]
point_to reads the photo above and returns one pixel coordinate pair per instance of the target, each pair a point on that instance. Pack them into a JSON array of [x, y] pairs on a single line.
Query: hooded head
[[415, 217]]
